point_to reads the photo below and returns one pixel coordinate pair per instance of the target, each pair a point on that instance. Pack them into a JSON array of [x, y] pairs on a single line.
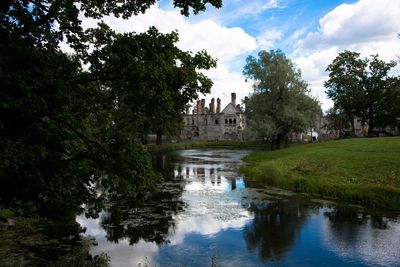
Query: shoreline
[[360, 171]]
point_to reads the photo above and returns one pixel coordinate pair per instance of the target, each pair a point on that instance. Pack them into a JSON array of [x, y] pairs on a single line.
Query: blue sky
[[310, 32]]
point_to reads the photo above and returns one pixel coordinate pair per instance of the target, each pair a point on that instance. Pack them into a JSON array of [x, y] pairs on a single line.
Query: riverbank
[[206, 144], [365, 171]]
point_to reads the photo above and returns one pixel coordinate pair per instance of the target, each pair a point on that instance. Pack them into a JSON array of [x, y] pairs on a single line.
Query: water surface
[[206, 212]]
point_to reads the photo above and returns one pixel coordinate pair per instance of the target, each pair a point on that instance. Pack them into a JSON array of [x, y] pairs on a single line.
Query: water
[[207, 214]]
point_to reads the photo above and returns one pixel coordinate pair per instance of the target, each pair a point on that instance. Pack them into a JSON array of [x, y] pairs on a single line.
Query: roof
[[230, 109]]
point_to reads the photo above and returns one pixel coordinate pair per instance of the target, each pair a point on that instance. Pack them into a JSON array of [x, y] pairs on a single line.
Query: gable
[[229, 109]]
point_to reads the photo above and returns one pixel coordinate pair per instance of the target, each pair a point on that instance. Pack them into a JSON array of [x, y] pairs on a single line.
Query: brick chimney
[[212, 106], [203, 105], [218, 105], [198, 106], [233, 99]]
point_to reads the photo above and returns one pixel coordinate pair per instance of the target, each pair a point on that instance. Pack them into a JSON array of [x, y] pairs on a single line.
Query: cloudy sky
[[311, 32]]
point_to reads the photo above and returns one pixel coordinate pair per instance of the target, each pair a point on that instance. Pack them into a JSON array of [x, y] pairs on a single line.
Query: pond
[[207, 214]]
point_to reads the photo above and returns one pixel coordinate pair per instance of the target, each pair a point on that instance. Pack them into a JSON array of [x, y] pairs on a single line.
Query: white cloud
[[297, 34], [226, 82], [267, 39], [229, 45], [367, 26], [363, 22], [252, 8], [221, 42]]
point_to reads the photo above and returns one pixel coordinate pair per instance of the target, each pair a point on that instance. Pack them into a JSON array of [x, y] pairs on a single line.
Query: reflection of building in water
[[211, 124], [201, 174], [212, 176], [233, 184]]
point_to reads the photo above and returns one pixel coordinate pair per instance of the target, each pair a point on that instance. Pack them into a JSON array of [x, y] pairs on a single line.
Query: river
[[207, 214]]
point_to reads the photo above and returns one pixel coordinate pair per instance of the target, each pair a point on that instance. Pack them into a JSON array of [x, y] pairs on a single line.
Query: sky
[[310, 32]]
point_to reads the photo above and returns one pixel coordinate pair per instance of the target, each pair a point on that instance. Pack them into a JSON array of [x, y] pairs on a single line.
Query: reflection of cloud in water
[[206, 225], [246, 226], [121, 253], [212, 208], [92, 226], [362, 241]]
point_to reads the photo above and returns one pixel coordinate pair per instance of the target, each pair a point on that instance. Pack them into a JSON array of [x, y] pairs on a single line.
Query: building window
[[216, 121], [234, 121], [193, 122], [226, 121], [230, 121]]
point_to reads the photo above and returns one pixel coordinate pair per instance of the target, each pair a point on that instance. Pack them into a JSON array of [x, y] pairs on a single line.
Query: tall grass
[[358, 170]]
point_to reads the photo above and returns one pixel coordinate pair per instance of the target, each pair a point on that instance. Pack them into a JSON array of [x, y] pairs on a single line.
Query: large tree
[[363, 88], [280, 103], [378, 92], [47, 22], [343, 86], [58, 135], [153, 80]]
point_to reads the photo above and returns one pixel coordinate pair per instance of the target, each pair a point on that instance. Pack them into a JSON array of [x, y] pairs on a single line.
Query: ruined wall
[[214, 124]]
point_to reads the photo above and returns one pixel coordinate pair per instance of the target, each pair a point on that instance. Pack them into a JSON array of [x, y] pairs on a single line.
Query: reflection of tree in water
[[345, 222], [38, 242], [151, 219], [275, 228]]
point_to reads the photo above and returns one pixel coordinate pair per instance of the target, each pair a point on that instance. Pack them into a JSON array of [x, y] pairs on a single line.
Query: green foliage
[[34, 21], [69, 136], [343, 84], [280, 103], [151, 79], [363, 88], [357, 170], [46, 155], [337, 120]]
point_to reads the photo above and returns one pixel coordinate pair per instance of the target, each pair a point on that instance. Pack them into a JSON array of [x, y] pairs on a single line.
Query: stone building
[[213, 124]]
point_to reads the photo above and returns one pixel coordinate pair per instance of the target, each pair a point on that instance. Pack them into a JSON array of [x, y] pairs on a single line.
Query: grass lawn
[[206, 144], [365, 170]]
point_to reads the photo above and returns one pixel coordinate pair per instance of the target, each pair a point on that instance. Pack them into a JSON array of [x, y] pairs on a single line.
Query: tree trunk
[[371, 123], [275, 143], [278, 141], [272, 144], [143, 139], [371, 127], [278, 144], [353, 130], [159, 137]]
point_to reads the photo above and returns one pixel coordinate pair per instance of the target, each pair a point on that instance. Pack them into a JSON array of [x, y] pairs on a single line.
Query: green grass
[[206, 144], [363, 170]]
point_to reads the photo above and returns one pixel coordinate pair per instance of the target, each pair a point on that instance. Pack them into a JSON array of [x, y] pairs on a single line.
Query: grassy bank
[[205, 144], [364, 170]]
